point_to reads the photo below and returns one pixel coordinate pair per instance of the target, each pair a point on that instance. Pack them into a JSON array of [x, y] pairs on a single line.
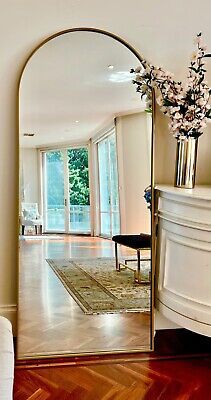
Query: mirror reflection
[[85, 226]]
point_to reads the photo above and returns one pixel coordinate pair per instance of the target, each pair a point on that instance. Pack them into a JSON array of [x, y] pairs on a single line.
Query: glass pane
[[80, 218], [109, 193], [114, 185], [104, 182], [79, 194], [115, 223], [105, 224], [54, 186], [104, 176]]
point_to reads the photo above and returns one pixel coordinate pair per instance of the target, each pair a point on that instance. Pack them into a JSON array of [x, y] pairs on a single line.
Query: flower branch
[[185, 104]]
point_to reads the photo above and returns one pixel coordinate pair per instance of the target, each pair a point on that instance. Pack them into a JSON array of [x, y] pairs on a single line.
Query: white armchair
[[30, 217]]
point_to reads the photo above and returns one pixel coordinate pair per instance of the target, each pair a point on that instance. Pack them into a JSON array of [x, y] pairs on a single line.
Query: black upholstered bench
[[136, 242]]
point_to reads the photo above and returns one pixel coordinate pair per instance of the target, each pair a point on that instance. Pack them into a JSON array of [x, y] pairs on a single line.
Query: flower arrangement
[[185, 104]]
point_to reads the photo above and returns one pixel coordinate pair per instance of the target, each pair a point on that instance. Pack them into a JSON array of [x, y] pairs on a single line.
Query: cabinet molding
[[183, 273]]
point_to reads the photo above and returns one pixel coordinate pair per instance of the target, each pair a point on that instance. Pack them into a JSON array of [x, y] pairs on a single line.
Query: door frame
[[96, 140]]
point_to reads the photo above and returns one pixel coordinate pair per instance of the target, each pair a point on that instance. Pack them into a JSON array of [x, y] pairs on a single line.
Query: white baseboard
[[9, 311]]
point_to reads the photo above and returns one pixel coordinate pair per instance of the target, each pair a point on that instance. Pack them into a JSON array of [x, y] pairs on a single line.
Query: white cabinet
[[183, 267]]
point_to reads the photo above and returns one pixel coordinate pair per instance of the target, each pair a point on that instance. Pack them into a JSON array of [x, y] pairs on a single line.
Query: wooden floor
[[50, 321], [149, 380]]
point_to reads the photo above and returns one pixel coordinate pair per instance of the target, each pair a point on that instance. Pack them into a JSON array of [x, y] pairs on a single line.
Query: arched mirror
[[85, 162]]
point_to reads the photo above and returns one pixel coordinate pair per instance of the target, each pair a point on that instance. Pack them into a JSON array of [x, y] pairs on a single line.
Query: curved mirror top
[[80, 76], [85, 162]]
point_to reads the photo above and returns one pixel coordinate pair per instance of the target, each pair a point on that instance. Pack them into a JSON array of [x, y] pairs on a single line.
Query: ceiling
[[68, 93]]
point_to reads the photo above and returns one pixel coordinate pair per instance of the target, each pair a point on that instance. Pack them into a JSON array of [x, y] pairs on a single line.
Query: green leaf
[[167, 103], [193, 69]]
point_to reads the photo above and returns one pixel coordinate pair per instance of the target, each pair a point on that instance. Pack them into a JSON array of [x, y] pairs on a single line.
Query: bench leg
[[138, 272], [116, 257]]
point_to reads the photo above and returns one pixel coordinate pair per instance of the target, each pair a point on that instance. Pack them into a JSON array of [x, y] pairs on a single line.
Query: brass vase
[[185, 167]]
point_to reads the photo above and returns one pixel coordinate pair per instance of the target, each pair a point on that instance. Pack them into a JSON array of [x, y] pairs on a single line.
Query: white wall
[[134, 166], [29, 179], [150, 27]]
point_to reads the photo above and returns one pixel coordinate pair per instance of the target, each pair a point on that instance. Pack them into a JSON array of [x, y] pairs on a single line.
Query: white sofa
[[6, 360]]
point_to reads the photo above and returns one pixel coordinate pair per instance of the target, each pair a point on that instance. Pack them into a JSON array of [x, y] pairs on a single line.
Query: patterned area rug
[[98, 288]]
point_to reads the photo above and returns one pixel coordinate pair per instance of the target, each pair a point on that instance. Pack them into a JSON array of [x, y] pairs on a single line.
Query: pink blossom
[[186, 103]]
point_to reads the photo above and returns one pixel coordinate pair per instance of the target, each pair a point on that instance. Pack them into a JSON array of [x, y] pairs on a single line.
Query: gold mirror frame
[[153, 215]]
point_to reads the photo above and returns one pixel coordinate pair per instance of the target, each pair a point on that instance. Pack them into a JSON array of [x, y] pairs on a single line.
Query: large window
[[66, 190]]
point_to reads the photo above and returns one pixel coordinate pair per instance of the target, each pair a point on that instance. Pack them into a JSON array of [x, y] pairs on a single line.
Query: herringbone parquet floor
[[149, 380], [43, 297], [51, 322]]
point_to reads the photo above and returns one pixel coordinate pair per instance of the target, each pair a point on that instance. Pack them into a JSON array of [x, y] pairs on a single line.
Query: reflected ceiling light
[[121, 76], [110, 66], [76, 121]]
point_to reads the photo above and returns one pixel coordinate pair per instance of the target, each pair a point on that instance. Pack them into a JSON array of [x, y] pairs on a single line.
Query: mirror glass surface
[[85, 160]]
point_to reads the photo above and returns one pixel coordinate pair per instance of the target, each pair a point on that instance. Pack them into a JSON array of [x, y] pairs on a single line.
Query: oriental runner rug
[[98, 288]]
